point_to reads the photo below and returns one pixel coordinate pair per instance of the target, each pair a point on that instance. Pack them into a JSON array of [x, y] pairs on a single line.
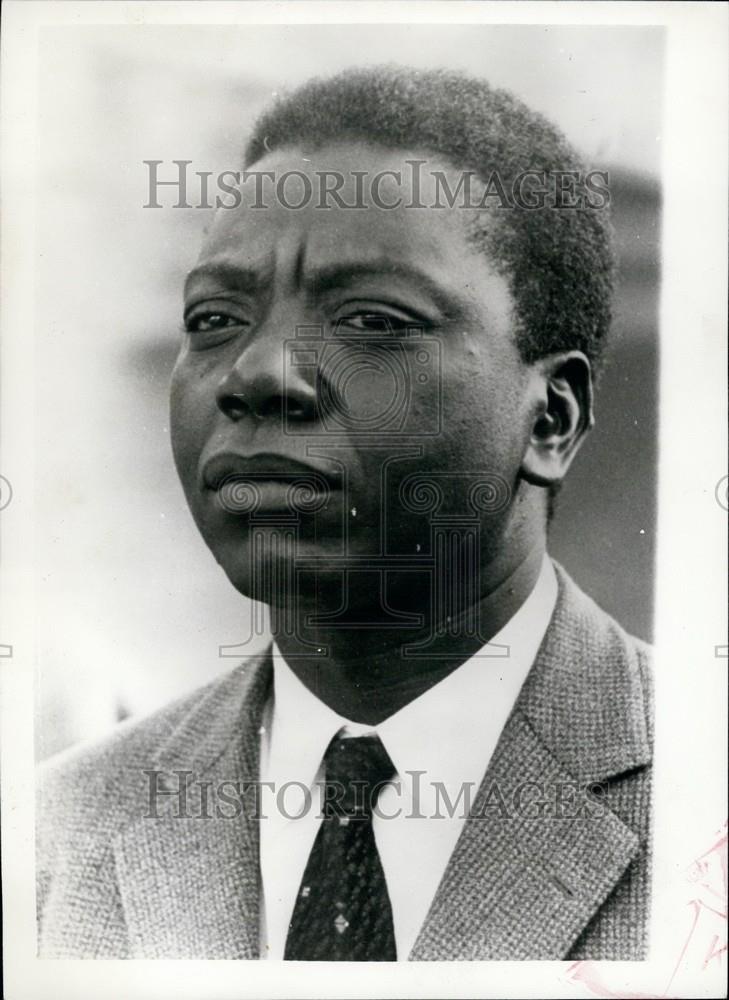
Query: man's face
[[348, 377]]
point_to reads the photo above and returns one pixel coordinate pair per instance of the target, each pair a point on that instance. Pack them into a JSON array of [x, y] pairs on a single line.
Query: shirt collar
[[301, 727], [447, 734]]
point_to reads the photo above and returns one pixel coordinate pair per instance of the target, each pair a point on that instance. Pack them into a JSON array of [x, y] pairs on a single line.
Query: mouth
[[267, 482]]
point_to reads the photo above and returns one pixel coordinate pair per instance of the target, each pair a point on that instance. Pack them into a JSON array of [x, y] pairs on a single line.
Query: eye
[[212, 324], [207, 322], [372, 321]]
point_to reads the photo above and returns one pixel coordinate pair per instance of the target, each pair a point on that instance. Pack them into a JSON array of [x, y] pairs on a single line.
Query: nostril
[[294, 409], [265, 406], [234, 405]]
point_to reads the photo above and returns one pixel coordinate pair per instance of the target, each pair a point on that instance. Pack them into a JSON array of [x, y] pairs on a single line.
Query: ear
[[562, 416]]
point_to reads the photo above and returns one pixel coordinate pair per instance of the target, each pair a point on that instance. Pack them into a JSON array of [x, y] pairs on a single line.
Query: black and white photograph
[[364, 499]]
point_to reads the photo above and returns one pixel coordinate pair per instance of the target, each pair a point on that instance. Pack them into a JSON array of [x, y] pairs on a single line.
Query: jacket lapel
[[540, 852], [189, 883], [521, 885]]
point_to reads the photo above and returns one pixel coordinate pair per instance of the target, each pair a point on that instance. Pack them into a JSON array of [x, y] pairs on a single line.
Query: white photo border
[[691, 577]]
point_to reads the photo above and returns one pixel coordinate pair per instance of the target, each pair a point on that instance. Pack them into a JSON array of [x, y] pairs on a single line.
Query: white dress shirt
[[440, 744]]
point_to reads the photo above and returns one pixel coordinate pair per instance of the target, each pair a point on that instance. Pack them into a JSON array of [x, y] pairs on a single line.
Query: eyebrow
[[341, 275], [327, 278], [242, 279]]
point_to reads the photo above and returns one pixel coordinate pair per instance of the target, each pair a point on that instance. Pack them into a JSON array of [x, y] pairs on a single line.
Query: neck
[[367, 674]]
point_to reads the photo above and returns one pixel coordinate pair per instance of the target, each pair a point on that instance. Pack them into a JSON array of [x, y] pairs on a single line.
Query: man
[[386, 373]]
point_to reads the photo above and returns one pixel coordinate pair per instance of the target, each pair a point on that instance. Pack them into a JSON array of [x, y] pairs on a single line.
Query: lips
[[263, 467], [244, 484]]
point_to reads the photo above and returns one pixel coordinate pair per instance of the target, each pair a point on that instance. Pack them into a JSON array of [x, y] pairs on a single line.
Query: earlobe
[[562, 416]]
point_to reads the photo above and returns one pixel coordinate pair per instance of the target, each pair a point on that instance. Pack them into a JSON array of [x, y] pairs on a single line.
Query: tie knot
[[355, 771]]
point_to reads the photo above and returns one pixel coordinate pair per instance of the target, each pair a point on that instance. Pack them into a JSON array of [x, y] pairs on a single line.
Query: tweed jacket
[[552, 862]]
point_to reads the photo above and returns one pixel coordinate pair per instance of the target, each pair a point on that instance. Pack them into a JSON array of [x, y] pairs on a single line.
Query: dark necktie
[[342, 911]]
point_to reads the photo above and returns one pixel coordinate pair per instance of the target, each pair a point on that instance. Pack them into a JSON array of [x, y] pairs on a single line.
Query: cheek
[[483, 410], [188, 421]]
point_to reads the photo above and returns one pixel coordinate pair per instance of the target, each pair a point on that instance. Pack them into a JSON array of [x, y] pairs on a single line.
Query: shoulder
[[89, 795], [581, 625], [93, 767], [590, 693], [98, 786]]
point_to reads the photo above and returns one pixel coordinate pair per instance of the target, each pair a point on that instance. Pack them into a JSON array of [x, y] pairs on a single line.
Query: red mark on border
[[705, 944]]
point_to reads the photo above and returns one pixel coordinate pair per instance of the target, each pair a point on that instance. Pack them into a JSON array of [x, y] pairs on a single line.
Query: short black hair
[[558, 261]]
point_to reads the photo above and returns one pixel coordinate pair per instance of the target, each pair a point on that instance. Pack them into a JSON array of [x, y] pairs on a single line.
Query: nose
[[260, 385]]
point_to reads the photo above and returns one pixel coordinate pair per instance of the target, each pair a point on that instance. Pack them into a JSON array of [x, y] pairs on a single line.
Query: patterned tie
[[342, 911]]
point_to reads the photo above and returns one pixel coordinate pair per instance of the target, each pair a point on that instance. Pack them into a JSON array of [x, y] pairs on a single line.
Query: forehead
[[265, 227]]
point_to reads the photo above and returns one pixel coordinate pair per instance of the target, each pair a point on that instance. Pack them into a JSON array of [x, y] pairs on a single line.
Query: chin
[[266, 566]]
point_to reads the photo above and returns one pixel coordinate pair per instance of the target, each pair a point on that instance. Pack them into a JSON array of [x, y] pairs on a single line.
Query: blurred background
[[131, 607]]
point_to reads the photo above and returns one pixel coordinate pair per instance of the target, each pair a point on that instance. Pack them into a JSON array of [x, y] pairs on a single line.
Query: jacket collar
[[584, 697]]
